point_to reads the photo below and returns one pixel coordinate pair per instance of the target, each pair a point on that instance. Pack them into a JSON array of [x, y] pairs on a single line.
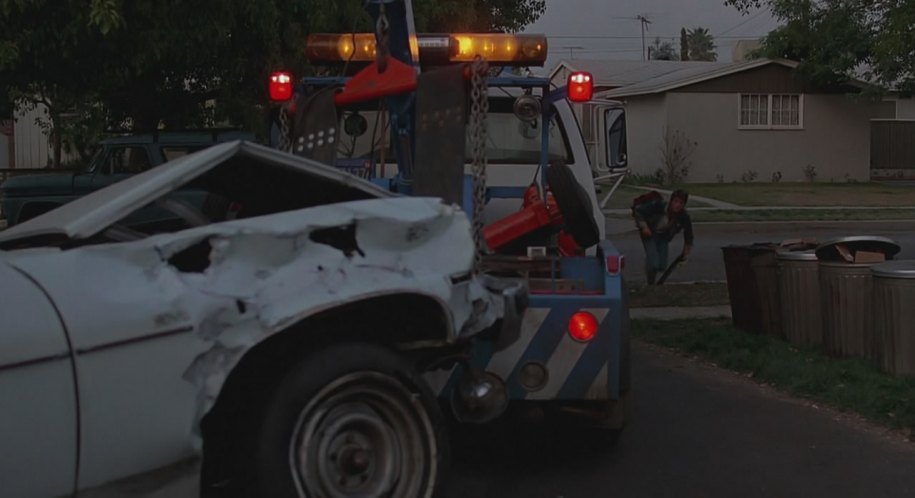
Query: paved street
[[706, 262], [696, 432]]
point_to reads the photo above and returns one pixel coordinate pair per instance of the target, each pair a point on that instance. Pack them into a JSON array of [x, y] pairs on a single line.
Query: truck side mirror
[[615, 137]]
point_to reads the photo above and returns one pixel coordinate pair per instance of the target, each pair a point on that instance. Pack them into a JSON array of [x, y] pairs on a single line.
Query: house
[[747, 120]]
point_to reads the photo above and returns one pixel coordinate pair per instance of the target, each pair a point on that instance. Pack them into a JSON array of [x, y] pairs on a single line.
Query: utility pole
[[644, 23]]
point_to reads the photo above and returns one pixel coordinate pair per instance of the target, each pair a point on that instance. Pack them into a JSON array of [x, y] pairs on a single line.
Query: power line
[[745, 21], [609, 50], [608, 37]]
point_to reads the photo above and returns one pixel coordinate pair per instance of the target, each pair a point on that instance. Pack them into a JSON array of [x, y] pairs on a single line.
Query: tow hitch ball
[[479, 397]]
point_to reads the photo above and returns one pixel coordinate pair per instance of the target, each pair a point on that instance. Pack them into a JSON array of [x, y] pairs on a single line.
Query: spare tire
[[575, 205]]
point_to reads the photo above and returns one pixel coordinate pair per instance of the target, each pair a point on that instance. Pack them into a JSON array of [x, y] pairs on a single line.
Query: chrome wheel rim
[[364, 434]]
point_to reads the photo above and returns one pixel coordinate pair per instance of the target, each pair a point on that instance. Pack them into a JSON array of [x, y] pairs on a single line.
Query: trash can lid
[[797, 255], [828, 251], [894, 269]]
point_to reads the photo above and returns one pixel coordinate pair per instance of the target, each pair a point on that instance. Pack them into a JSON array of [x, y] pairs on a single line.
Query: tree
[[684, 45], [701, 45], [836, 41], [662, 51], [177, 63]]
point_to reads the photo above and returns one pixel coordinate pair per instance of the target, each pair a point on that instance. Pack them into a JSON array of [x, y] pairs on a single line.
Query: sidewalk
[[714, 203], [677, 313]]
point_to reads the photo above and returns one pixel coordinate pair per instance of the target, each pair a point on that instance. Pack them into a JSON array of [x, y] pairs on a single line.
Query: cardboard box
[[869, 257], [845, 253]]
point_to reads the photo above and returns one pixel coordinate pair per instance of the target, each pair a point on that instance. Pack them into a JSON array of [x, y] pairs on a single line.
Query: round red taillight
[[582, 326]]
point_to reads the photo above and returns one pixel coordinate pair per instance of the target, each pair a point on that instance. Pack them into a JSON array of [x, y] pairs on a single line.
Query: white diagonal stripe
[[503, 362], [564, 359], [598, 389]]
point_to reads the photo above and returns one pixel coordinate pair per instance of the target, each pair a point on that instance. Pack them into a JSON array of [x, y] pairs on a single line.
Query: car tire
[[354, 419], [575, 205]]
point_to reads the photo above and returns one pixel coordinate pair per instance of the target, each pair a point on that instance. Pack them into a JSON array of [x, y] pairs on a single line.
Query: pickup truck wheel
[[352, 420]]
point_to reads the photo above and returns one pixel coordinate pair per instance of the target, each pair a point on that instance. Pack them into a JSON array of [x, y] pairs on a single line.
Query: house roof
[[610, 73], [629, 78]]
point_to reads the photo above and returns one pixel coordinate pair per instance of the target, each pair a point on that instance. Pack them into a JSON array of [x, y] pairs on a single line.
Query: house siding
[[835, 139], [645, 120], [772, 78], [905, 109], [31, 144], [4, 151], [892, 153]]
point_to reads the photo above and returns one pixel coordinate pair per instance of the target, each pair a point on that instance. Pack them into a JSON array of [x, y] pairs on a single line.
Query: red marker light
[[581, 87], [615, 264], [280, 86], [582, 326]]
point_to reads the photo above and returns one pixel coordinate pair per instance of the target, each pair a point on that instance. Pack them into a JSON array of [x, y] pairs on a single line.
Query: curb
[[679, 313]]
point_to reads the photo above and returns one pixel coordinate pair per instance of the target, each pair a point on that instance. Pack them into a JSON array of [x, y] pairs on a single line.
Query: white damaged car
[[257, 321]]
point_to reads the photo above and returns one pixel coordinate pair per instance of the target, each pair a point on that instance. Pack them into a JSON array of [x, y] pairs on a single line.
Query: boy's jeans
[[655, 257]]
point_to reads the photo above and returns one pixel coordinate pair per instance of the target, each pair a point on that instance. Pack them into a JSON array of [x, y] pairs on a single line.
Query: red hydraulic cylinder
[[514, 226]]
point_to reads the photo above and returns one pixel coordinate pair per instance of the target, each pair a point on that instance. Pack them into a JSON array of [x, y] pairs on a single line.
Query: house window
[[754, 110], [771, 111]]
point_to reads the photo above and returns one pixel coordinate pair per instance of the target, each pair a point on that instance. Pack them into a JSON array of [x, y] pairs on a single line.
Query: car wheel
[[352, 420]]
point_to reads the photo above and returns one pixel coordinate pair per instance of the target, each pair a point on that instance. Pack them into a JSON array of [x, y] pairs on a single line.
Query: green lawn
[[622, 198], [698, 294], [847, 384], [805, 194]]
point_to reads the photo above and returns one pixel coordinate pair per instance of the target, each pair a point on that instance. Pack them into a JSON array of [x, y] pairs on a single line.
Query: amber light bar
[[436, 49]]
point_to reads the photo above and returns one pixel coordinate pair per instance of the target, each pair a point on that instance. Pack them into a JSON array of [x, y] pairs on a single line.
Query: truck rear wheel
[[352, 420]]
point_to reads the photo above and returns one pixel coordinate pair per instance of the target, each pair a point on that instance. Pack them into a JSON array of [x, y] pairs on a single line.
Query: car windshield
[[510, 140]]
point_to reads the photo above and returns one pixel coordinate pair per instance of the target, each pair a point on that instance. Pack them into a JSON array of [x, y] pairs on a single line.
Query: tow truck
[[461, 121]]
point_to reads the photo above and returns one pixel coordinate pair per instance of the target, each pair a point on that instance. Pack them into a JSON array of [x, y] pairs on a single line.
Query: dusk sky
[[578, 23]]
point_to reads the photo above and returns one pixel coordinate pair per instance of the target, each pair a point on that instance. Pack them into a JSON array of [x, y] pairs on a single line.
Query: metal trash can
[[799, 294], [846, 293], [746, 312], [894, 316], [764, 263]]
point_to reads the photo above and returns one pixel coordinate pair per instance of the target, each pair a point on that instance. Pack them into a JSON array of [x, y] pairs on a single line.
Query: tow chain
[[285, 141], [479, 108]]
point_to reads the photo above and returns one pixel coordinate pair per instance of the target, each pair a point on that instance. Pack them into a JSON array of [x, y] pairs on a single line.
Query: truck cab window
[[130, 160]]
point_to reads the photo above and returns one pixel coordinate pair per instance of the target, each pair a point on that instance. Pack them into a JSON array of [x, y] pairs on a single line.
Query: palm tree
[[684, 45], [701, 45]]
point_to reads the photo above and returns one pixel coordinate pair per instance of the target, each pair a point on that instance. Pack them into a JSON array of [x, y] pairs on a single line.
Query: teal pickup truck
[[23, 197]]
